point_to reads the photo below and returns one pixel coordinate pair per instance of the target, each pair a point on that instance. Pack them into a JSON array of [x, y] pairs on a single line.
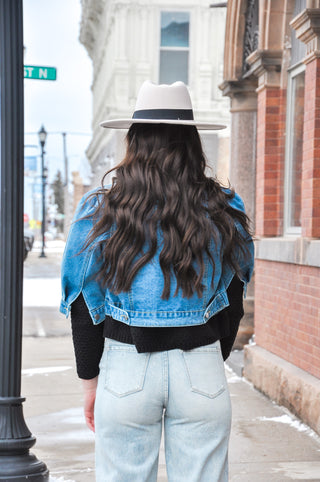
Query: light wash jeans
[[135, 390]]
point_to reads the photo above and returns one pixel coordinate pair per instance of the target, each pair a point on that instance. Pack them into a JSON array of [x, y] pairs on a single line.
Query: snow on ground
[[56, 477], [234, 379], [60, 479], [285, 419], [56, 245], [289, 419], [42, 292], [29, 372]]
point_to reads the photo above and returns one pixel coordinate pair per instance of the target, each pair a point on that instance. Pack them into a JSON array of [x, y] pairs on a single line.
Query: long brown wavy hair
[[161, 186]]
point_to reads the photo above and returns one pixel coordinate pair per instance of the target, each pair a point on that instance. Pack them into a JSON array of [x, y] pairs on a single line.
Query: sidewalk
[[267, 443]]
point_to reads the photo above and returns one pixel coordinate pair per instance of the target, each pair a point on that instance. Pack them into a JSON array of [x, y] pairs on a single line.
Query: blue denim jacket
[[142, 304]]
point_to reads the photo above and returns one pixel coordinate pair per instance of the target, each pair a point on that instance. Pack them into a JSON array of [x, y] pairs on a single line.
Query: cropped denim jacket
[[142, 304]]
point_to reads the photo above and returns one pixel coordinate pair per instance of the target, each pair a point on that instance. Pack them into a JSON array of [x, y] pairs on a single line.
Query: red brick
[[287, 312]]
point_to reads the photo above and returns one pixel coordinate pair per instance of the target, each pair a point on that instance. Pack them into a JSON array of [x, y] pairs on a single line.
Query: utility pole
[[17, 464], [44, 174], [67, 210]]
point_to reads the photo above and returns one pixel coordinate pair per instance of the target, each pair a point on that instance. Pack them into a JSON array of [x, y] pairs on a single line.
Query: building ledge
[[296, 250], [284, 383], [307, 24]]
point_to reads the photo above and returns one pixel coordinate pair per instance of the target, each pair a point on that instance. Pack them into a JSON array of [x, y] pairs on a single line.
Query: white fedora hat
[[162, 104]]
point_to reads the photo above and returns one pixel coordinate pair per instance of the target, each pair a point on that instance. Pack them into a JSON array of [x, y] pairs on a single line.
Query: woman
[[153, 273]]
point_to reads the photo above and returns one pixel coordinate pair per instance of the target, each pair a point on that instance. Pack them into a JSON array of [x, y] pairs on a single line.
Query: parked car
[[28, 242]]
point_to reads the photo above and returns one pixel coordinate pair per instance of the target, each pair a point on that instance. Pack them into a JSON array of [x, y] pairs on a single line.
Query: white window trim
[[174, 48], [290, 230]]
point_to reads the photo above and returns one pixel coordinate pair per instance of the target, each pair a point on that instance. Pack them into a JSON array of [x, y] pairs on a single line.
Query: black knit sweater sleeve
[[233, 313], [88, 340]]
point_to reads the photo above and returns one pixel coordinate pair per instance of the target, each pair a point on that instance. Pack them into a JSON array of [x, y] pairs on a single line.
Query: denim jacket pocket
[[125, 370], [205, 370]]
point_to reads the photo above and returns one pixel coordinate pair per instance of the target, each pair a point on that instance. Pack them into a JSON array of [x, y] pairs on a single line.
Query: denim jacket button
[[96, 317], [206, 315], [125, 317]]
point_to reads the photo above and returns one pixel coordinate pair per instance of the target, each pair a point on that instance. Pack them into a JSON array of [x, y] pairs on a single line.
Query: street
[[267, 442]]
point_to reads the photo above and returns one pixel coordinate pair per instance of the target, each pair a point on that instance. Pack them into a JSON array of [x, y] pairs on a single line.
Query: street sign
[[40, 73]]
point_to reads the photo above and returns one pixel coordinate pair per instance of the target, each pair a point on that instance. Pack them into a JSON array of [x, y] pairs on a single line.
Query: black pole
[[43, 224], [16, 462]]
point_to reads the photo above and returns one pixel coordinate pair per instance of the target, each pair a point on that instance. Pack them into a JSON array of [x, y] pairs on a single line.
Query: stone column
[[242, 170], [243, 139], [121, 62]]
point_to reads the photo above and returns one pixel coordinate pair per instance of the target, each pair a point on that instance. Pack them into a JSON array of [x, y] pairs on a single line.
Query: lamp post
[[17, 464], [42, 139]]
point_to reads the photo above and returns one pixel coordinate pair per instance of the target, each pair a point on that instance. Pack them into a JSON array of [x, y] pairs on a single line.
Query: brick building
[[272, 76]]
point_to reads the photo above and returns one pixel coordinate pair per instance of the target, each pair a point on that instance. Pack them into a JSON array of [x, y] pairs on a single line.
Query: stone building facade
[[130, 41], [272, 75]]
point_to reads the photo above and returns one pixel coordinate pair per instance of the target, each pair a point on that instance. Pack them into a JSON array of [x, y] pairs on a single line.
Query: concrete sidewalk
[[267, 443]]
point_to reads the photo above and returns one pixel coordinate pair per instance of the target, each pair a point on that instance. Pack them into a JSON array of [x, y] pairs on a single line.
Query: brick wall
[[287, 307], [270, 161], [287, 312]]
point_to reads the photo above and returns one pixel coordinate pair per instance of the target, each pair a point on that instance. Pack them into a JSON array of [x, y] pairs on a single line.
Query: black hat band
[[165, 114]]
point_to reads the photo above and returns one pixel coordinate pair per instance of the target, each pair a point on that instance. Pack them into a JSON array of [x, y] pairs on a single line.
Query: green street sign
[[40, 73]]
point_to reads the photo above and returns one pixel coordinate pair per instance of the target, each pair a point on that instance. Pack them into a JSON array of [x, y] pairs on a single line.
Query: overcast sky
[[51, 32]]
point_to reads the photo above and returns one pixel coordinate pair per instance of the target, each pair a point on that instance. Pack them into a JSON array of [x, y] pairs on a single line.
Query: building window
[[298, 48], [294, 131], [174, 47], [294, 144]]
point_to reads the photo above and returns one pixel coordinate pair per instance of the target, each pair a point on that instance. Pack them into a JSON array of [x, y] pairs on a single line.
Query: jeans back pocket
[[205, 370], [125, 370]]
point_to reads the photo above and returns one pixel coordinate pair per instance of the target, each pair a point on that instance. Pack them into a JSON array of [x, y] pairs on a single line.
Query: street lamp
[[17, 464], [44, 173]]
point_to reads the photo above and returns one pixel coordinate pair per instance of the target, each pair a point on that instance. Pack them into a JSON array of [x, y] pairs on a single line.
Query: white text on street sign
[[40, 73]]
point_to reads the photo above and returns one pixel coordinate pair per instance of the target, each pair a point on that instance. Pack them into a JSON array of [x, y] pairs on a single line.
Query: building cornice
[[266, 66], [264, 60], [242, 94], [307, 26]]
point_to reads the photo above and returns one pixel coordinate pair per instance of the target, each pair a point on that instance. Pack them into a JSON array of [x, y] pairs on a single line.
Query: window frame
[[293, 72], [174, 49]]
